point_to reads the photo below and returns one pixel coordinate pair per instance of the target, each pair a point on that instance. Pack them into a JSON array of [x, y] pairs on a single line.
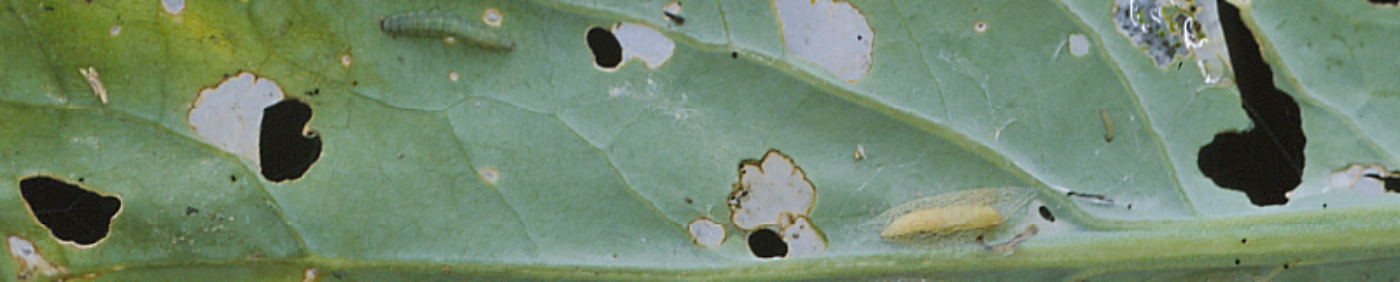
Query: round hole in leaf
[[766, 243], [287, 148], [1045, 213], [607, 51], [71, 213]]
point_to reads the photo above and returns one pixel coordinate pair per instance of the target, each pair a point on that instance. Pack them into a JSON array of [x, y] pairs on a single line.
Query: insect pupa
[[439, 24], [952, 216]]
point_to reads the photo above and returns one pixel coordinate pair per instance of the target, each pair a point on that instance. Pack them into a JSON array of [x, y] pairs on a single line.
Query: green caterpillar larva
[[439, 24]]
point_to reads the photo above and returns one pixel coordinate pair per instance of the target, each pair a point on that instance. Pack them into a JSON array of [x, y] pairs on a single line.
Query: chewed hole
[[287, 146], [1266, 161], [490, 175], [71, 213], [607, 51], [492, 17], [1045, 213], [766, 243]]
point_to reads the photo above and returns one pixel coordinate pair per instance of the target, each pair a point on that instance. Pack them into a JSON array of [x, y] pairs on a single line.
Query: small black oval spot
[[1045, 213], [71, 213], [734, 55], [287, 147], [607, 52], [1237, 261], [1244, 240], [1381, 2], [766, 243]]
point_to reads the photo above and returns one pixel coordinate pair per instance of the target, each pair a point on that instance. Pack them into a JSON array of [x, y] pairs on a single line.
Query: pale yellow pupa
[[951, 216]]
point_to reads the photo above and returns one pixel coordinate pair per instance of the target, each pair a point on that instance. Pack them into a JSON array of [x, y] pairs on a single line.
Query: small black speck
[[689, 201], [1324, 206], [734, 55], [354, 83], [1285, 266], [48, 8], [232, 178], [80, 179], [1244, 240], [191, 210], [859, 38], [1237, 261]]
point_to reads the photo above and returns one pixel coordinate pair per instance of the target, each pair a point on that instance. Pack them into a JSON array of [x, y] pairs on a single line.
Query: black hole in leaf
[[1391, 2], [607, 52], [674, 18], [1392, 184], [287, 152], [1045, 213], [765, 243], [1266, 161], [71, 213]]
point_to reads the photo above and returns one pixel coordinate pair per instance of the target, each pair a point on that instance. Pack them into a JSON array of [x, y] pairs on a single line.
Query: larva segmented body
[[439, 24]]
